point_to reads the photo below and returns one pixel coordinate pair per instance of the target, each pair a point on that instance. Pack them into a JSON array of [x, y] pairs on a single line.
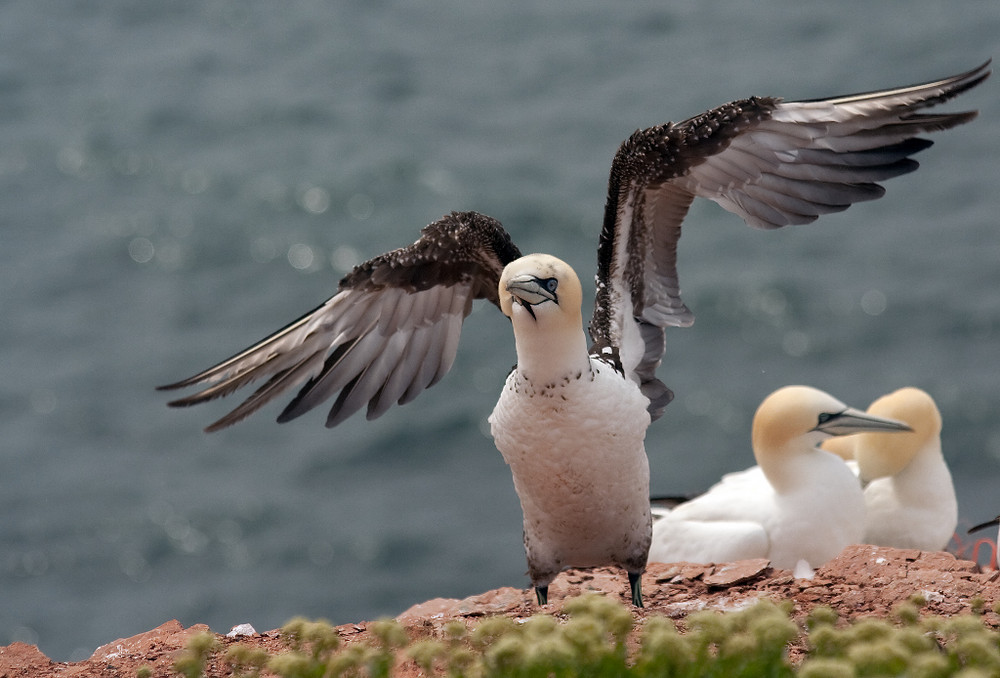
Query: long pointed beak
[[529, 290], [855, 421]]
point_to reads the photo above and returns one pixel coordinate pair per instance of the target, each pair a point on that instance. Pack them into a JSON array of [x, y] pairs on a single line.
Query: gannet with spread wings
[[392, 328]]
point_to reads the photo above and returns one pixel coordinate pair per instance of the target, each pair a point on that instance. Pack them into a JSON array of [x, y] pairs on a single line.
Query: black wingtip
[[982, 526], [186, 401], [670, 501], [176, 385], [190, 381]]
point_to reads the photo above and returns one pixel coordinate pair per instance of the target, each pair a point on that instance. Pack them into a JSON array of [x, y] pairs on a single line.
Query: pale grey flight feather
[[389, 332], [770, 161]]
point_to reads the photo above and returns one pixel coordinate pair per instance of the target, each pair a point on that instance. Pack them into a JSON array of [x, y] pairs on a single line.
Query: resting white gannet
[[392, 328], [909, 494], [810, 507]]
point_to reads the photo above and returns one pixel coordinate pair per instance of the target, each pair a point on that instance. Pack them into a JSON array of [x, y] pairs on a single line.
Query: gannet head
[[540, 284], [800, 417], [880, 455], [542, 297]]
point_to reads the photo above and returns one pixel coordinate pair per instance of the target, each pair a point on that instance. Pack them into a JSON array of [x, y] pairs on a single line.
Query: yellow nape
[[886, 454]]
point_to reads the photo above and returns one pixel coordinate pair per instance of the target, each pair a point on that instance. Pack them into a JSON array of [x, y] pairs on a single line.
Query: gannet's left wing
[[772, 162], [389, 332]]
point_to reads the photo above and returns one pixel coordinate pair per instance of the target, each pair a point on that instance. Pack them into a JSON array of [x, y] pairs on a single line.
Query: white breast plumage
[[580, 469]]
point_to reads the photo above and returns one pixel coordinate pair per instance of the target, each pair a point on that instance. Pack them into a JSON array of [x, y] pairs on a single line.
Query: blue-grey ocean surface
[[180, 178]]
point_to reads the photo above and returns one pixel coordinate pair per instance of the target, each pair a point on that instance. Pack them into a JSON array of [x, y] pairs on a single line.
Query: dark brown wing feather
[[389, 332], [773, 163]]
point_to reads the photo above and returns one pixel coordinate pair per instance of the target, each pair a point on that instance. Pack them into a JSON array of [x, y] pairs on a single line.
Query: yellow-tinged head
[[542, 297], [879, 455], [540, 283], [788, 414], [796, 418]]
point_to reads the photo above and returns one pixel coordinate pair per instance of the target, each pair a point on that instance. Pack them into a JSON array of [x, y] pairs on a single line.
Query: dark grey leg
[[635, 583]]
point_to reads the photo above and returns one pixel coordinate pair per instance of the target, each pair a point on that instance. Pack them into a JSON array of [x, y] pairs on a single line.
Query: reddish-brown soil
[[862, 581]]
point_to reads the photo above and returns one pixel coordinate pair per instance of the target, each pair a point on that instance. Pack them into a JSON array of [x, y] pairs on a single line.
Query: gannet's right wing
[[389, 332]]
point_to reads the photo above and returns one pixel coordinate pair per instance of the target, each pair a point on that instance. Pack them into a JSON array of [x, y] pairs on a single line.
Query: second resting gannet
[[809, 507], [909, 495], [391, 330]]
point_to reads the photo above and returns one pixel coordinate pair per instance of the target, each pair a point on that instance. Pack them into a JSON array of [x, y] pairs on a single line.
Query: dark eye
[[551, 284], [824, 417]]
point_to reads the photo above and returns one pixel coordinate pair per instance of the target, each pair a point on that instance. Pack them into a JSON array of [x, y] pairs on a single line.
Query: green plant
[[591, 639], [246, 661], [191, 663]]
